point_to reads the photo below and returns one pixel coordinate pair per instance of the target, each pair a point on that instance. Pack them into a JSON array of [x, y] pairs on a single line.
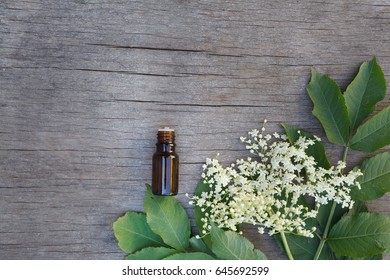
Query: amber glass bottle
[[165, 164]]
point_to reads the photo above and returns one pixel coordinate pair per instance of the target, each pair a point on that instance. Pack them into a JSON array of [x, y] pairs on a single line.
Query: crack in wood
[[163, 49], [146, 48], [122, 72]]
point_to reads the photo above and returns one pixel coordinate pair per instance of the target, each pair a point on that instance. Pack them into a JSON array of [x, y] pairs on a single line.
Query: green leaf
[[199, 246], [151, 253], [230, 245], [362, 94], [199, 215], [317, 150], [133, 233], [375, 181], [361, 235], [374, 257], [373, 134], [303, 248], [324, 212], [329, 107], [190, 256], [167, 218]]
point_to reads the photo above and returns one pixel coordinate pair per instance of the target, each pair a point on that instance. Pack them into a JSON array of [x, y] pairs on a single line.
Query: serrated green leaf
[[199, 246], [151, 253], [133, 233], [329, 107], [190, 256], [230, 245], [199, 215], [375, 181], [364, 92], [373, 134], [362, 235], [167, 218], [317, 150]]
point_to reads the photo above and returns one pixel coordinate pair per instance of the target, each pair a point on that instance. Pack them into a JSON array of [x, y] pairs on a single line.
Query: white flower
[[253, 133], [266, 190]]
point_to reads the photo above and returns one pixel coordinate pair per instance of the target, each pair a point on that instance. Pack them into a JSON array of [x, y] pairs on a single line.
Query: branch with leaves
[[272, 189], [358, 233]]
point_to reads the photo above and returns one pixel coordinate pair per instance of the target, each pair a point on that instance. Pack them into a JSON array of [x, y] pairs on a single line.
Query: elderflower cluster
[[268, 191]]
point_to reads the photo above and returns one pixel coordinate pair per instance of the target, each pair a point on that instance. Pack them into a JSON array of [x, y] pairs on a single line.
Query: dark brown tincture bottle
[[165, 164]]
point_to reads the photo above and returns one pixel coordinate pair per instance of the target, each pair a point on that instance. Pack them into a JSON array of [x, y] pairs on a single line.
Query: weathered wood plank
[[85, 84]]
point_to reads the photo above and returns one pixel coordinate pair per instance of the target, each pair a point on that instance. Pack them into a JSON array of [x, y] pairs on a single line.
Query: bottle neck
[[165, 140], [163, 147]]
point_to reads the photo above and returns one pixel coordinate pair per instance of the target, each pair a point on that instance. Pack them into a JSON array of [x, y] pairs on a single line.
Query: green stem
[[286, 247], [345, 154], [330, 217], [326, 231]]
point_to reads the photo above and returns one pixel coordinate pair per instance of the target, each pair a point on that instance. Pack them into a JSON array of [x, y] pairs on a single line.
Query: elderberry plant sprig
[[271, 190]]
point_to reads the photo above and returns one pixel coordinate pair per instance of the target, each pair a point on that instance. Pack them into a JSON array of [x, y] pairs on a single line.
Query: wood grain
[[85, 84]]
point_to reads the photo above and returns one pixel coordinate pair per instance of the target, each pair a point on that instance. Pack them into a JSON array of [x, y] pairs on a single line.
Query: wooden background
[[85, 84]]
